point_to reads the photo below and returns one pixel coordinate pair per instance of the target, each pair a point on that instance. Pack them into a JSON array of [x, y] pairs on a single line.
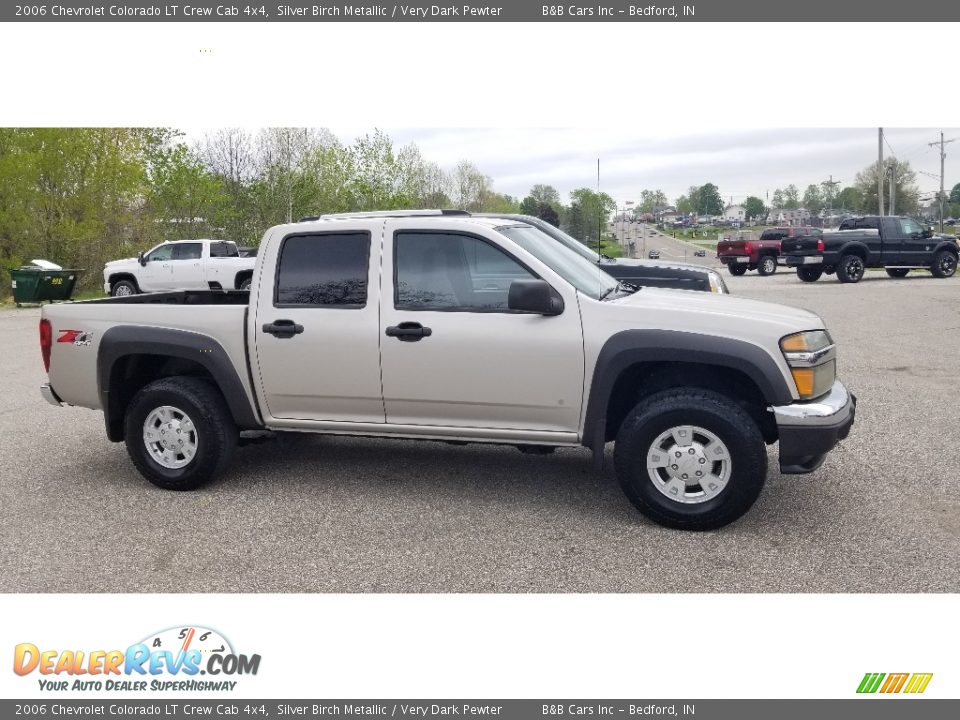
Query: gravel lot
[[327, 514]]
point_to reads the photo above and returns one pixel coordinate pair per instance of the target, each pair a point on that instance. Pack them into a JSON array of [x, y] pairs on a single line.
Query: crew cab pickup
[[740, 254], [458, 329], [899, 244], [180, 265]]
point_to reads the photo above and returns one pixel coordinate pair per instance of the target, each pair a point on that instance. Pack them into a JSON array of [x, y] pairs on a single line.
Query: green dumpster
[[38, 282]]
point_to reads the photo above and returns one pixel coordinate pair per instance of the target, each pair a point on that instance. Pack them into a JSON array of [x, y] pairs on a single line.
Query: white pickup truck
[[459, 329], [180, 265]]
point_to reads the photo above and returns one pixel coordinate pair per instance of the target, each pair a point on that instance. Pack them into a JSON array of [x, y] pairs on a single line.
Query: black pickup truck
[[898, 244]]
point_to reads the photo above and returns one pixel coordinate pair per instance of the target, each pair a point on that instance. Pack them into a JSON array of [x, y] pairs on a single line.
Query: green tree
[[791, 197], [753, 207], [849, 199], [905, 187], [650, 200], [955, 194], [778, 199], [588, 213], [709, 201], [813, 199]]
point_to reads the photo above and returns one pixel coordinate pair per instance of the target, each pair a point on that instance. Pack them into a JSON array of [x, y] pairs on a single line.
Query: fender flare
[[125, 340], [630, 347]]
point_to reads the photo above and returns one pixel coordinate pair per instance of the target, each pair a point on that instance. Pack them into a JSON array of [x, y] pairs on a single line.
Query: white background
[[497, 75]]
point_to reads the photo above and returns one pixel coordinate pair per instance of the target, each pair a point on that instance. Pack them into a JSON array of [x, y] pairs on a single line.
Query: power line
[[943, 158]]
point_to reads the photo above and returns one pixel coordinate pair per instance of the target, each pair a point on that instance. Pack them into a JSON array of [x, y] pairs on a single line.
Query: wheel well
[[241, 276], [855, 250], [130, 373], [644, 379], [117, 277]]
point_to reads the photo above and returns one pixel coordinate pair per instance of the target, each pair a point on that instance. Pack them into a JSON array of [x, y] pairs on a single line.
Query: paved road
[[337, 514], [647, 237]]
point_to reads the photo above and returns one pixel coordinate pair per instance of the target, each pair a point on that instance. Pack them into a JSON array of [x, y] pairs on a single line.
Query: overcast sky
[[740, 163]]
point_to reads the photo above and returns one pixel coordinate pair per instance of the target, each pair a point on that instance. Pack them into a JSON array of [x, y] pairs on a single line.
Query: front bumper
[[49, 395], [809, 430]]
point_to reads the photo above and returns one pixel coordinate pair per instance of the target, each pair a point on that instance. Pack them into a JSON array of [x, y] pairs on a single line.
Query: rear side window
[[223, 249], [326, 270]]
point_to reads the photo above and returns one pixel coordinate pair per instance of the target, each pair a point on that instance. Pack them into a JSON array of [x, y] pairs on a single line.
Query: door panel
[[328, 285], [186, 267], [477, 364], [915, 248]]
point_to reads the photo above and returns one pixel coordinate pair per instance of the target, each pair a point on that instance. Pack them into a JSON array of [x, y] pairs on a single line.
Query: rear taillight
[[748, 247], [820, 246], [46, 342]]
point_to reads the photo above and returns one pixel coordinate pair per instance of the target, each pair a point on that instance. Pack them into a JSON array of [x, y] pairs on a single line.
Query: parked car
[[180, 265], [640, 272], [740, 255], [897, 243], [458, 329]]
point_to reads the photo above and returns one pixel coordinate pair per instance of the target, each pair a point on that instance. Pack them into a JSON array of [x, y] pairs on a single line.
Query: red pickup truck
[[740, 255]]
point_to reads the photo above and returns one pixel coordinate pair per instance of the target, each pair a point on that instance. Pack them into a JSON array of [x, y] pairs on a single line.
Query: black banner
[[174, 709], [514, 11]]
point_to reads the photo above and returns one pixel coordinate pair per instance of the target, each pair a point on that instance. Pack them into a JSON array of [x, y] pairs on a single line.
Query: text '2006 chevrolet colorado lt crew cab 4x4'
[[461, 329]]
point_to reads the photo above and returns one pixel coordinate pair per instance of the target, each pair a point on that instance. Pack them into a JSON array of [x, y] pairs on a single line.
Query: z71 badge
[[80, 338]]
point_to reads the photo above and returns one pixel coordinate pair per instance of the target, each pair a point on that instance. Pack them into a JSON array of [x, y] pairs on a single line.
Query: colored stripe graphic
[[870, 682], [918, 683], [894, 682]]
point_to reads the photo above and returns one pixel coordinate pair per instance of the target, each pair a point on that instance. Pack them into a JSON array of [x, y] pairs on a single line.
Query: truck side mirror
[[141, 259], [535, 296]]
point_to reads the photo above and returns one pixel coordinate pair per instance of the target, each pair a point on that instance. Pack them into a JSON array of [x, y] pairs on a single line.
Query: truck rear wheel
[[944, 264], [809, 274], [179, 432], [767, 265], [690, 459], [850, 269], [737, 268]]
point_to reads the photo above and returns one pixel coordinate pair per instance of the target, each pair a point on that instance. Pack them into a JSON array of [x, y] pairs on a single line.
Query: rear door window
[[323, 270]]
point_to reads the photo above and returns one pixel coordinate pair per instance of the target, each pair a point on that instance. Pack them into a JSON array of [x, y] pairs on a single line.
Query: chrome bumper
[[831, 409], [49, 395]]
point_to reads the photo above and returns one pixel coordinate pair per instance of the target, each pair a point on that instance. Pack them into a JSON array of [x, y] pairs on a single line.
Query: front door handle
[[409, 331], [282, 328]]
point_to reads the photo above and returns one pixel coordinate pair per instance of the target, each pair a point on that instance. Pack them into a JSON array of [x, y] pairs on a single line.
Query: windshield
[[573, 267]]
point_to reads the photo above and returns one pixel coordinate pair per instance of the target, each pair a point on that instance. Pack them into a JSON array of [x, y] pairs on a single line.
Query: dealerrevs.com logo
[[172, 659]]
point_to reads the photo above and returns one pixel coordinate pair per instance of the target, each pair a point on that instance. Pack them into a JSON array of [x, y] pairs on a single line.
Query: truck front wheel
[[767, 265], [124, 288], [850, 269], [690, 459], [944, 264], [179, 432], [809, 274]]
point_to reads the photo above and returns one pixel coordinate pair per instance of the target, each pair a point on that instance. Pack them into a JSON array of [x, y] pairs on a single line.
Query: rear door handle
[[409, 331], [282, 328]]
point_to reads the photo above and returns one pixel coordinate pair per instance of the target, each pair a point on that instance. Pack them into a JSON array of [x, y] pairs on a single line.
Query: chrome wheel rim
[[689, 464], [768, 265], [854, 268], [170, 437], [122, 291]]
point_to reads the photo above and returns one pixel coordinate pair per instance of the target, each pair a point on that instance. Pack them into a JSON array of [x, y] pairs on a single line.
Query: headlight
[[811, 356], [717, 285]]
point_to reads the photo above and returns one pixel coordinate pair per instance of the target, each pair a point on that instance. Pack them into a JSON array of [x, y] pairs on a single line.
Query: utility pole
[[943, 157], [880, 169], [829, 185]]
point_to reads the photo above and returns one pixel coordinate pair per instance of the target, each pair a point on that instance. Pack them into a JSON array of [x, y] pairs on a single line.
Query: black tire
[[850, 269], [123, 288], [767, 265], [737, 269], [215, 432], [897, 272], [245, 284], [710, 411], [944, 264], [809, 274]]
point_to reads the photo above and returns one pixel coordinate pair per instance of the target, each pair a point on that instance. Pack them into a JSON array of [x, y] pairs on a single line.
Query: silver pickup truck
[[459, 329]]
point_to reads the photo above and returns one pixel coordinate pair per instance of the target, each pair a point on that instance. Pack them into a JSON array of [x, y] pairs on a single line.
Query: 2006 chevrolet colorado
[[460, 329]]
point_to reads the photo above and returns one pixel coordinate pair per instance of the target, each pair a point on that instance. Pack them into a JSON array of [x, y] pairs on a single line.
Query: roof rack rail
[[388, 214]]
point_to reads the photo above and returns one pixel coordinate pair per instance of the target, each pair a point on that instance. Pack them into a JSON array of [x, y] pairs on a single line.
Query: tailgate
[[804, 245], [731, 247]]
